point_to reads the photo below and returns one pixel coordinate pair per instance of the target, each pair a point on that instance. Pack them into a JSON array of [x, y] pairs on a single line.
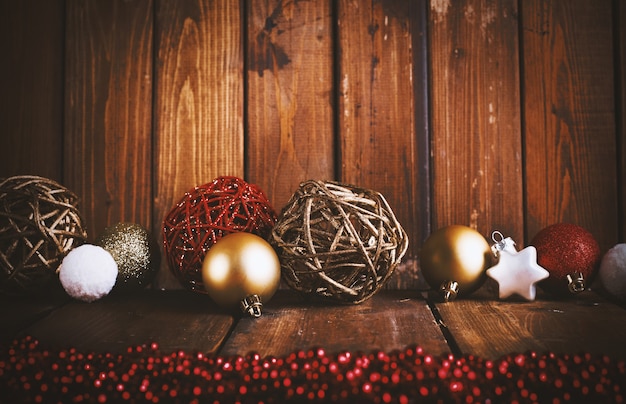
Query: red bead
[[456, 386], [395, 378]]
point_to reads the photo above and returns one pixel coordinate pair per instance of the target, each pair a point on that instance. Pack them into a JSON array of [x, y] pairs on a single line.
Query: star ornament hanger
[[516, 272]]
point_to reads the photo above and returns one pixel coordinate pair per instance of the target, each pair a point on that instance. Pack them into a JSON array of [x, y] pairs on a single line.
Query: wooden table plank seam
[[447, 334]]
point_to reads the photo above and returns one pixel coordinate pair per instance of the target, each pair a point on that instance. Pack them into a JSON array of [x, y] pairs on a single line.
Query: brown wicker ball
[[39, 225], [338, 242]]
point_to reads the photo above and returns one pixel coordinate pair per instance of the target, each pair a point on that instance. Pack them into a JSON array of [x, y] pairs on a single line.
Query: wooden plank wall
[[502, 114]]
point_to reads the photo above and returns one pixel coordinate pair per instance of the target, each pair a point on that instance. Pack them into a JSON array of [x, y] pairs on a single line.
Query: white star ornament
[[518, 272]]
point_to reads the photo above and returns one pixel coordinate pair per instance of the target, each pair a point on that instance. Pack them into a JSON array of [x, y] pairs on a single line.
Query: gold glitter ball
[[135, 253]]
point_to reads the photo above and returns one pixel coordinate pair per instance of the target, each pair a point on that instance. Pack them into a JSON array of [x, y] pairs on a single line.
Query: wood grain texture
[[78, 106], [476, 129], [378, 141], [175, 320], [569, 117], [387, 321], [108, 114], [486, 327], [620, 16], [290, 95], [31, 78], [198, 102]]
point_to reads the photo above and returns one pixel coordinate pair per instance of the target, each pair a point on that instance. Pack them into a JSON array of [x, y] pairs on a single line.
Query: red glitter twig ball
[[204, 215]]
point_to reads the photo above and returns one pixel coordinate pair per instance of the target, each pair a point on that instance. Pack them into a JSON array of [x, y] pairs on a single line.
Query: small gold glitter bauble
[[454, 260], [241, 268], [135, 252]]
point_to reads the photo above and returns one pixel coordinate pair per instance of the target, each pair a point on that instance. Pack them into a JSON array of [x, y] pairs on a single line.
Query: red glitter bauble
[[568, 252], [204, 215]]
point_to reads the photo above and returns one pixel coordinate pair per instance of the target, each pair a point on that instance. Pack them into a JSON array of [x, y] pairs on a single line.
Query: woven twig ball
[[39, 224], [204, 215], [338, 242]]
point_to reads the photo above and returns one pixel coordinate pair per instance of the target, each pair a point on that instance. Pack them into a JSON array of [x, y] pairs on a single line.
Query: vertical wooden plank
[[569, 117], [476, 132], [290, 95], [31, 78], [379, 143], [620, 16], [107, 159], [198, 112]]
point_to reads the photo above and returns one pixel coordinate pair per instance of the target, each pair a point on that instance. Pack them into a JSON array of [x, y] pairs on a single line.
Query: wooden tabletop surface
[[480, 324]]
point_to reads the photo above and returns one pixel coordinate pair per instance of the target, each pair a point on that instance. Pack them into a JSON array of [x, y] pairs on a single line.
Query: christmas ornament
[[204, 215], [241, 268], [39, 224], [88, 273], [571, 255], [134, 251], [516, 272], [338, 242], [454, 260], [612, 272]]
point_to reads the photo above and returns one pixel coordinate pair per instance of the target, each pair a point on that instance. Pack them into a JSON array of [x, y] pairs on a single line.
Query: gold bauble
[[241, 268], [454, 260]]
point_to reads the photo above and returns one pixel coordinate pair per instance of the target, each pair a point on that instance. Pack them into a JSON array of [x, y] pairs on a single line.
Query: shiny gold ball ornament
[[454, 260], [241, 268]]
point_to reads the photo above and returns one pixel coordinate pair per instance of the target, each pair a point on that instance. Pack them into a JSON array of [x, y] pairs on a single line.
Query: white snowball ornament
[[88, 273], [612, 271]]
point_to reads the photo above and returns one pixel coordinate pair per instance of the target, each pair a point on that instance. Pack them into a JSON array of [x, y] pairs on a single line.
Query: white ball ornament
[[88, 273], [612, 271]]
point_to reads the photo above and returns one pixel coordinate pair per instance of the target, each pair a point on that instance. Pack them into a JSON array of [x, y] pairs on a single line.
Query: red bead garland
[[207, 213], [30, 373]]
